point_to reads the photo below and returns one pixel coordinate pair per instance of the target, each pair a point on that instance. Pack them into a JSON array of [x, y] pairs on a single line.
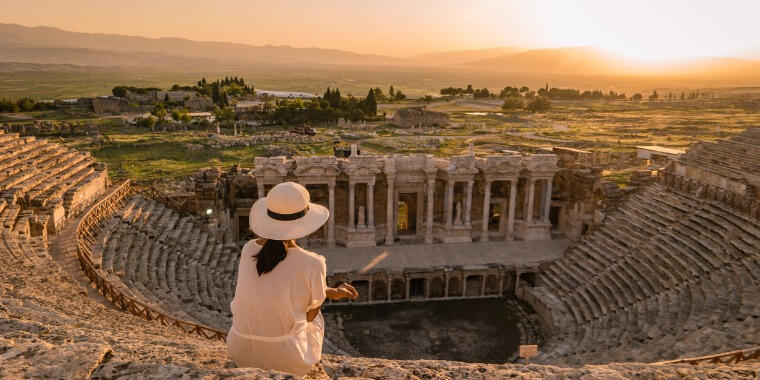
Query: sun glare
[[649, 31]]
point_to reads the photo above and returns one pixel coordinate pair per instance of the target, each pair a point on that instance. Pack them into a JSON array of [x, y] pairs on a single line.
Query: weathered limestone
[[419, 117], [541, 169], [408, 198], [666, 267], [54, 181], [729, 164]]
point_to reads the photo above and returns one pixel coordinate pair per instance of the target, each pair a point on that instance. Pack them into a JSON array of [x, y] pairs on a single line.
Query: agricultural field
[[606, 126]]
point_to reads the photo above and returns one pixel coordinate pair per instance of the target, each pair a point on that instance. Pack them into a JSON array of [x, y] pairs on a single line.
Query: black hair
[[270, 255]]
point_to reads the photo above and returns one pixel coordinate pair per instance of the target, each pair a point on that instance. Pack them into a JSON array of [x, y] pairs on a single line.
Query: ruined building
[[671, 270], [419, 117], [375, 200]]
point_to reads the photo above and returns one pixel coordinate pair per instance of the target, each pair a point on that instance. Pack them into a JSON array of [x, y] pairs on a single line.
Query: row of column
[[546, 198], [449, 203], [448, 207], [370, 207]]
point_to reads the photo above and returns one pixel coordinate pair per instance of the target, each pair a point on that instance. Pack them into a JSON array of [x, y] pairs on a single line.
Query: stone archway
[[398, 289], [474, 283], [437, 287], [379, 290], [362, 287], [492, 285], [455, 287]]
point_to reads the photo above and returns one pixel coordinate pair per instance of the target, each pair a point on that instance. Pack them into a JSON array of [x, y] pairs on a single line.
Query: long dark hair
[[270, 255]]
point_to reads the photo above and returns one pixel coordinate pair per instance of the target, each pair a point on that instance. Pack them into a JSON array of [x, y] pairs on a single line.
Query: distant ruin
[[419, 117]]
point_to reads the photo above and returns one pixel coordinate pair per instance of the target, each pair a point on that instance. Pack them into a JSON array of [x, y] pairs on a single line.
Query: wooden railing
[[750, 206], [731, 357], [181, 206], [92, 222]]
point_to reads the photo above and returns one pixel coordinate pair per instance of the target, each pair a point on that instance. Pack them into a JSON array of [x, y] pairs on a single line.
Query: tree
[[181, 115], [224, 114], [159, 111], [119, 91], [654, 95], [539, 104], [399, 95], [216, 96], [25, 104], [637, 97], [391, 93], [8, 106], [379, 96], [469, 89], [481, 93], [512, 103], [370, 103]]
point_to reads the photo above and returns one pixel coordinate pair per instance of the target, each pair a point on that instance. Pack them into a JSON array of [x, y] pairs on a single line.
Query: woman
[[276, 318]]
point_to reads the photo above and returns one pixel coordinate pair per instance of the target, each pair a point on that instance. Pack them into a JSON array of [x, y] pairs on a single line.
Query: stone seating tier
[[169, 261], [667, 276]]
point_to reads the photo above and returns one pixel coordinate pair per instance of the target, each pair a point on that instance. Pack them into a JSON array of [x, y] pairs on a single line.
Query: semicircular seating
[[667, 275]]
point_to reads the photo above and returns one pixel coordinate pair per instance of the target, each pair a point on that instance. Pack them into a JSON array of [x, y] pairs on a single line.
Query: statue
[[458, 214], [354, 150], [471, 149], [360, 218]]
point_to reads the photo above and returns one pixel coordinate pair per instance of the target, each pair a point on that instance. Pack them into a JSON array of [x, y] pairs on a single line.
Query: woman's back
[[272, 303]]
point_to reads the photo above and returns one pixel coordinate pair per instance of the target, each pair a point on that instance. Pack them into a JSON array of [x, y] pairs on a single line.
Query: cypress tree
[[370, 103]]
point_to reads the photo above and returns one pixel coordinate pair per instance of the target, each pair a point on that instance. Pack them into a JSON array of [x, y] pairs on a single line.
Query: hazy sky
[[639, 28]]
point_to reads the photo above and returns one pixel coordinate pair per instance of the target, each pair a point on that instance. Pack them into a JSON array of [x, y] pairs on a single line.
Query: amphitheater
[[114, 280]]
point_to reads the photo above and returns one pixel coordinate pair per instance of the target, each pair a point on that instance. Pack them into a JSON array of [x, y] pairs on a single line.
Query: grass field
[[594, 125]]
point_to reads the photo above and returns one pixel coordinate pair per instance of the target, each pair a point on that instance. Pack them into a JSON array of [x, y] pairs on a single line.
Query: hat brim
[[264, 226]]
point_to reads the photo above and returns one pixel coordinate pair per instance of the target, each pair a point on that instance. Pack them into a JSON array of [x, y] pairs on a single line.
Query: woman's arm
[[311, 314], [342, 291]]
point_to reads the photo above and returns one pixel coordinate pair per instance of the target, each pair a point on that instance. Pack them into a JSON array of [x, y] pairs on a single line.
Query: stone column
[[429, 223], [351, 225], [511, 215], [369, 290], [464, 285], [529, 200], [483, 285], [547, 200], [371, 205], [427, 287], [501, 283], [261, 188], [331, 220], [388, 286], [407, 287], [486, 210], [389, 214], [449, 206], [468, 204], [445, 284]]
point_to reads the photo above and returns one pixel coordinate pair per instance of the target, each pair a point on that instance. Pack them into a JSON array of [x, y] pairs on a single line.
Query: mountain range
[[52, 46]]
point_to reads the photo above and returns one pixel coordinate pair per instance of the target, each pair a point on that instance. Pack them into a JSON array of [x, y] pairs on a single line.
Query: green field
[[611, 126]]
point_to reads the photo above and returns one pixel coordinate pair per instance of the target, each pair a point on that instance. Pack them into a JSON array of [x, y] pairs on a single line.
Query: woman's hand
[[342, 291]]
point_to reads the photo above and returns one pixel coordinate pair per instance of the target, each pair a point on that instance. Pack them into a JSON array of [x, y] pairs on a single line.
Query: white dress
[[269, 328]]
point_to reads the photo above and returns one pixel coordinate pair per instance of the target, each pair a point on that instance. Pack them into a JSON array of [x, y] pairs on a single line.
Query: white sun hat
[[286, 213]]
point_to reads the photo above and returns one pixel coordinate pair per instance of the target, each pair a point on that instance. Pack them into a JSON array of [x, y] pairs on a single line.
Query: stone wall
[[106, 105], [419, 117]]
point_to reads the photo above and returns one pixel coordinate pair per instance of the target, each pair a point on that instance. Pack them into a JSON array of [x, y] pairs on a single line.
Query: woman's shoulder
[[310, 256], [251, 247]]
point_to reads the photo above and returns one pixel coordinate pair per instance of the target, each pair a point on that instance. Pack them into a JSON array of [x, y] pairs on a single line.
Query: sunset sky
[[643, 29]]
